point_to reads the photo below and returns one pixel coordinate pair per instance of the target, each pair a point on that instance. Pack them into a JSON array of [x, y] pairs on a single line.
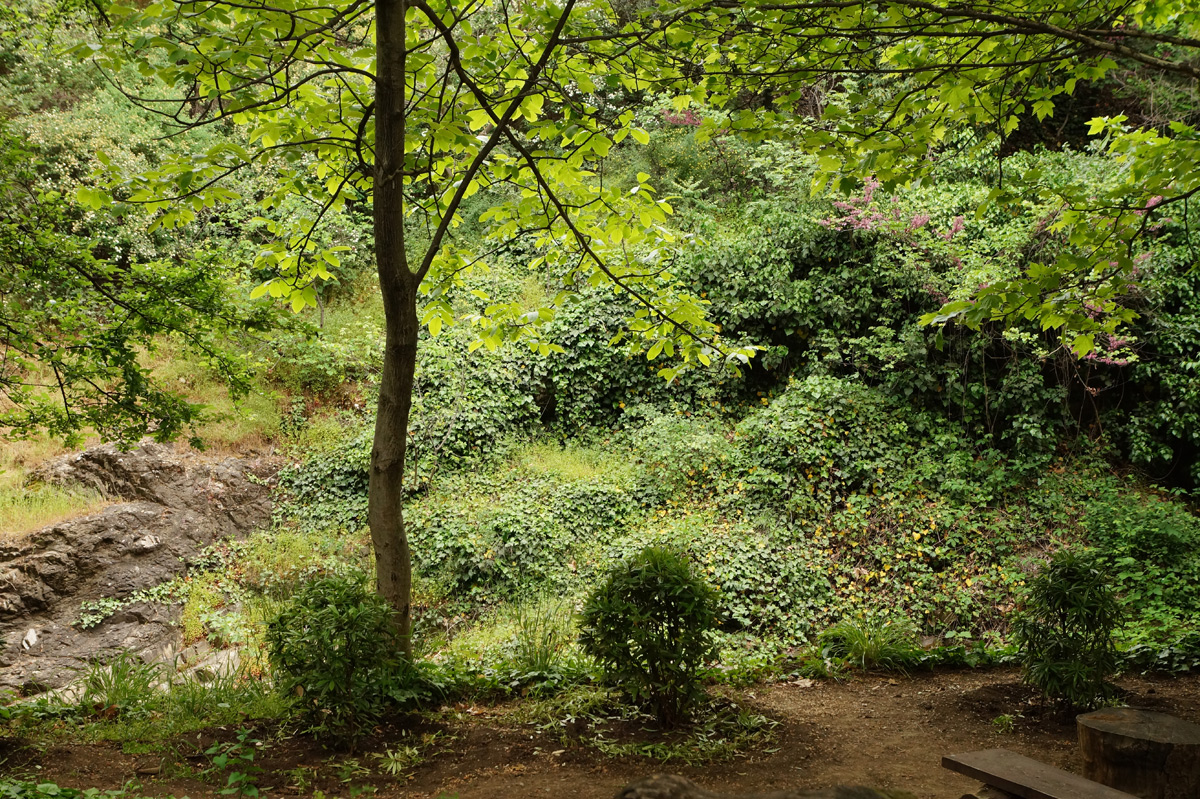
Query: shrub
[[649, 624], [336, 654], [1064, 634]]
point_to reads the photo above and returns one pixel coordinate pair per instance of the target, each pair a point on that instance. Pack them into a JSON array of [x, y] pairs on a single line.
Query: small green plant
[[813, 664], [543, 634], [336, 653], [871, 643], [395, 762], [235, 759], [299, 779], [1005, 723], [650, 625], [721, 731], [92, 612], [1064, 633]]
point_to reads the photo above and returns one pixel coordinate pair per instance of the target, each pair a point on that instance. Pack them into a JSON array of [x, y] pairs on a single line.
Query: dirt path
[[880, 731]]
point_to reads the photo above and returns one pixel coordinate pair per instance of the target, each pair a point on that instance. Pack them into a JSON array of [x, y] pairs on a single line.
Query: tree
[[73, 326], [416, 105]]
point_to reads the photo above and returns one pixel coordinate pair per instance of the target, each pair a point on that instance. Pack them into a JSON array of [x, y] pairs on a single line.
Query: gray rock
[[174, 506]]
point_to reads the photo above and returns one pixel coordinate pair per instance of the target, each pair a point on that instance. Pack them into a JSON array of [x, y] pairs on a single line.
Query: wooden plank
[[1027, 778]]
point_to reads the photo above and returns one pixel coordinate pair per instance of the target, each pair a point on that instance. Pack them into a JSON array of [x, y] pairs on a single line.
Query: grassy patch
[[24, 508], [144, 706], [204, 598], [251, 423], [721, 729], [570, 463]]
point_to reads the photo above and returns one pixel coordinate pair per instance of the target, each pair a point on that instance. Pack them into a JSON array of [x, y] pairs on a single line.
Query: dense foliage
[[75, 325], [865, 482], [334, 654], [854, 467]]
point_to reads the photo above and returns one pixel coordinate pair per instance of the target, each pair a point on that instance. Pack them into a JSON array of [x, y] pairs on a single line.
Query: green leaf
[[92, 198], [1083, 344]]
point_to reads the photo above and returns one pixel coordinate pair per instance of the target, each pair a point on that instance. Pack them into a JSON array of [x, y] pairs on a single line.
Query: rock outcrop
[[173, 506]]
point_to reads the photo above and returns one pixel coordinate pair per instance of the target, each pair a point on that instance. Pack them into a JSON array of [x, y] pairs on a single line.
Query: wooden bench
[[1027, 778]]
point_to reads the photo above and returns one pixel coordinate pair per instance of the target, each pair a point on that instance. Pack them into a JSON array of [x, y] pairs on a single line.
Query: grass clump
[[124, 685], [872, 643], [544, 634]]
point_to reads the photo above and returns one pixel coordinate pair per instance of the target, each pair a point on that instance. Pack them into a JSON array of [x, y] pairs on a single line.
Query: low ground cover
[[885, 730]]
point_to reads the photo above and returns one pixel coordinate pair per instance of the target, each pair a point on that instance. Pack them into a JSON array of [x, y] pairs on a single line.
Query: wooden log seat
[[1150, 755]]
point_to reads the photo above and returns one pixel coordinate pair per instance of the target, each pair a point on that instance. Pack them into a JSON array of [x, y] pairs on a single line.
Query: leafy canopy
[[522, 102]]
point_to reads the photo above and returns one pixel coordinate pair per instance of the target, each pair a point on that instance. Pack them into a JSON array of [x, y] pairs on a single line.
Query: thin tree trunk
[[398, 285], [393, 568]]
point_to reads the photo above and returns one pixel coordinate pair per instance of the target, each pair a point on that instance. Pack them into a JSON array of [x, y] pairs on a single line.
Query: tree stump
[[1151, 755]]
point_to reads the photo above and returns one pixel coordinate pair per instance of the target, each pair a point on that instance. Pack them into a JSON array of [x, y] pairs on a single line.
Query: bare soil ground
[[888, 732]]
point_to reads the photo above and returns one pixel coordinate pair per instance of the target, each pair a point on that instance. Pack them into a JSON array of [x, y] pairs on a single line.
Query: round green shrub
[[1064, 633], [650, 625], [336, 654]]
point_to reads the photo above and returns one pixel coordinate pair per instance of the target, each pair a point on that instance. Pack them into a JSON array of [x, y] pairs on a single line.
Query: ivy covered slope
[[863, 464]]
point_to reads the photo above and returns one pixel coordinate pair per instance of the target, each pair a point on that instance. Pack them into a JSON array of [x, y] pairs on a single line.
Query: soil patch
[[886, 732]]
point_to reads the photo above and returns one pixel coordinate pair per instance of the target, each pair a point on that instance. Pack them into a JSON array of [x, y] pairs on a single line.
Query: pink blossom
[[918, 221], [955, 227], [686, 117]]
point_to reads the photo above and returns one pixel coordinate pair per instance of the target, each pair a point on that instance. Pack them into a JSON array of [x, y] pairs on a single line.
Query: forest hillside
[[865, 473]]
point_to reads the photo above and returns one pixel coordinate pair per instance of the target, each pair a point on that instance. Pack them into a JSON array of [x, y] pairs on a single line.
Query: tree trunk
[[1151, 755], [385, 505]]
